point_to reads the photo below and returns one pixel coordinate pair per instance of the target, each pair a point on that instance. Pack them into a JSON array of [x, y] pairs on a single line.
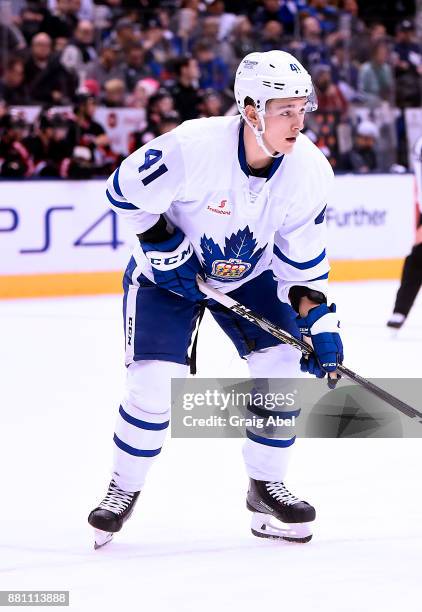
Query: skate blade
[[266, 526], [102, 538]]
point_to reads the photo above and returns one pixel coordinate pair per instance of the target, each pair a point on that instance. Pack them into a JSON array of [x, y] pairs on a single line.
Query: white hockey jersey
[[239, 225]]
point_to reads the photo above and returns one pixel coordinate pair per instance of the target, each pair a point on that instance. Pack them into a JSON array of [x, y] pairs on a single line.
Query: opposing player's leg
[[410, 285], [158, 329], [266, 458]]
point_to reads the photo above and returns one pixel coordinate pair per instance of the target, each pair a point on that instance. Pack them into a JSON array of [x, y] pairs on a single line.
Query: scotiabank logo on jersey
[[237, 260], [220, 209]]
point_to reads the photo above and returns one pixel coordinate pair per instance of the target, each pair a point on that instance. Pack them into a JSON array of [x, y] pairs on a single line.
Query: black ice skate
[[396, 320], [272, 500], [113, 511]]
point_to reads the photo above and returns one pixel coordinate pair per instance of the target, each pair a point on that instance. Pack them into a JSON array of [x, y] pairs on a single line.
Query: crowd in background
[[175, 60]]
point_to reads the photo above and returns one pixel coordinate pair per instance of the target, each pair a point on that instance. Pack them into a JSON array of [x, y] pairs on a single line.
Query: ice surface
[[188, 546]]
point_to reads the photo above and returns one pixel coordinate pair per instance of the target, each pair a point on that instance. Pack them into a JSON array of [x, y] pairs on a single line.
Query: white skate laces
[[116, 499], [281, 493]]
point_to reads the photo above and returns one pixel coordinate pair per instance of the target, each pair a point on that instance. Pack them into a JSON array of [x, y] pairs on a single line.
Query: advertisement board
[[61, 238]]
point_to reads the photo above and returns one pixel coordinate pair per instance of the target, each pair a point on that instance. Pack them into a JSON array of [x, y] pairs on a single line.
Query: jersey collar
[[241, 154]]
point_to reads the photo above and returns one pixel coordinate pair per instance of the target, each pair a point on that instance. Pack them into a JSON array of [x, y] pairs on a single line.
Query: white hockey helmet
[[265, 76]]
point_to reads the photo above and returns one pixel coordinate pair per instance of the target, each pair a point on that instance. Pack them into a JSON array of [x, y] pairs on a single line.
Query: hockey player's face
[[284, 120]]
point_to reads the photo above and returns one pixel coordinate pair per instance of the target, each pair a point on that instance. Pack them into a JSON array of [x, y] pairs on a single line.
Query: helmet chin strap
[[260, 133]]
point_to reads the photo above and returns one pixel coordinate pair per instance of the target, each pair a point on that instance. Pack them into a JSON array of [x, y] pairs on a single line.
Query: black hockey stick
[[279, 333]]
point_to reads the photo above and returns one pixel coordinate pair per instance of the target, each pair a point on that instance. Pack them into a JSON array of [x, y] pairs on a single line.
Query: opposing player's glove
[[321, 324], [175, 265]]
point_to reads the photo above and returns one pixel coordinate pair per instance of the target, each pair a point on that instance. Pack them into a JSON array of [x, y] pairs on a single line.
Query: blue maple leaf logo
[[238, 259]]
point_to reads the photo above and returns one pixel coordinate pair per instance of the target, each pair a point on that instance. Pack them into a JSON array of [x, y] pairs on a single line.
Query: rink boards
[[60, 237]]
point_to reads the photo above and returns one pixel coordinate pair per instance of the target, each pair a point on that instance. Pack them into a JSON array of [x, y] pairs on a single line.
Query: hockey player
[[241, 201], [411, 279]]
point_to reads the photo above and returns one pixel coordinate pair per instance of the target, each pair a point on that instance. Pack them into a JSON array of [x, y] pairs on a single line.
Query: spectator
[[59, 45], [408, 66], [109, 12], [11, 39], [144, 89], [12, 86], [185, 92], [209, 34], [106, 66], [322, 130], [362, 45], [31, 21], [243, 40], [212, 104], [86, 164], [213, 70], [114, 93], [273, 10], [362, 158], [135, 67], [330, 98], [376, 81], [344, 71], [269, 10], [48, 82], [80, 51], [92, 154], [15, 160], [125, 36], [271, 36], [326, 14], [314, 50], [81, 164], [102, 20], [61, 21], [378, 31], [159, 106], [85, 8], [49, 146], [168, 122], [350, 22], [226, 21], [186, 24], [159, 45], [84, 130]]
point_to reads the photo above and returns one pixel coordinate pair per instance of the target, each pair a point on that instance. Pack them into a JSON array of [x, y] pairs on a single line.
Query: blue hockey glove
[[321, 324], [175, 265]]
